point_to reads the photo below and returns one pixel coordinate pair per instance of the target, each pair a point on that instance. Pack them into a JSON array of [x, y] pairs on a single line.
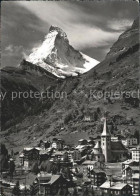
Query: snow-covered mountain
[[57, 56]]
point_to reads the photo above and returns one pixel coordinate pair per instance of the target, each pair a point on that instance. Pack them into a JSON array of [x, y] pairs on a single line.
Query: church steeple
[[105, 129], [106, 142]]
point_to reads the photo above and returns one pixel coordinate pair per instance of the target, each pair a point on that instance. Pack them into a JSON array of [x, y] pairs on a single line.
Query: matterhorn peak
[[58, 57], [58, 29], [60, 33]]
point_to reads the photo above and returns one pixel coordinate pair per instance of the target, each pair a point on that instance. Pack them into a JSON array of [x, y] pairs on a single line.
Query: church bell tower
[[106, 142]]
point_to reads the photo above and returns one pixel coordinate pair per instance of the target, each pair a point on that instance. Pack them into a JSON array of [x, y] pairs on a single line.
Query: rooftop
[[98, 171], [88, 162], [44, 152], [136, 176], [80, 146], [128, 161], [134, 168], [117, 146], [97, 146], [44, 176], [136, 148], [32, 148], [59, 153], [116, 186], [54, 178], [51, 178]]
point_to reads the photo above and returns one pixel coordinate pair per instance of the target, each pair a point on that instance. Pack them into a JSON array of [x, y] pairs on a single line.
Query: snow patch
[[58, 57]]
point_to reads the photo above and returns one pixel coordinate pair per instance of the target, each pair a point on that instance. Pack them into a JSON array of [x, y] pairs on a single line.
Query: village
[[104, 166]]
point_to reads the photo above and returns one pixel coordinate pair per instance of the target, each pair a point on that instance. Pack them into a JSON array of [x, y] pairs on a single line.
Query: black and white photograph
[[70, 98]]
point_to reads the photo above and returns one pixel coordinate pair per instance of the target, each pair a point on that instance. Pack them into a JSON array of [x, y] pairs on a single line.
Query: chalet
[[136, 184], [31, 155], [128, 172], [59, 155], [77, 155], [129, 162], [70, 155], [21, 159], [63, 158], [82, 142], [97, 176], [116, 188], [80, 151], [51, 184], [130, 141], [44, 144], [57, 144], [44, 154]]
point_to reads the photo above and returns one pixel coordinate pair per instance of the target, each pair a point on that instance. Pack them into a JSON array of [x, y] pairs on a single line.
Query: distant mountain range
[[57, 67]]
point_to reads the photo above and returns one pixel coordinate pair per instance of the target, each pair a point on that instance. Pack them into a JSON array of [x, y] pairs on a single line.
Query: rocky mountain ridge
[[58, 57]]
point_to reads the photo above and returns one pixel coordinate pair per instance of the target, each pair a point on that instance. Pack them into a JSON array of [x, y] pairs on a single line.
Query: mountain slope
[[66, 118], [15, 81], [58, 57]]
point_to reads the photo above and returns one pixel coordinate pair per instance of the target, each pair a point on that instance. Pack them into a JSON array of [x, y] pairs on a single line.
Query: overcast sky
[[92, 27]]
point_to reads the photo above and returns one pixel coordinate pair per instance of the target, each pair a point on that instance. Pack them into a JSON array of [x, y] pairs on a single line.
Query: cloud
[[87, 23], [120, 25], [20, 32], [13, 53], [91, 26], [9, 48]]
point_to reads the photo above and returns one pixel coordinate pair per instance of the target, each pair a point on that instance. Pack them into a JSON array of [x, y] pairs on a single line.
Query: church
[[113, 151]]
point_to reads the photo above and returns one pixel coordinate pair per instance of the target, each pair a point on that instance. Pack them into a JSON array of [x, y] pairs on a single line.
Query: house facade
[[51, 185], [136, 184], [129, 162], [136, 153], [128, 172], [97, 176], [31, 155], [130, 141], [117, 189]]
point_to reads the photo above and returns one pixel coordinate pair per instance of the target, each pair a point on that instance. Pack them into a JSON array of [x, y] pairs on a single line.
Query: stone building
[[113, 151]]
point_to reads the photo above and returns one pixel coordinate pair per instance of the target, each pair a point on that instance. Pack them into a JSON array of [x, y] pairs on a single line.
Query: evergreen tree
[[137, 135], [2, 191], [35, 168], [75, 193], [34, 189], [85, 192], [16, 189], [11, 168], [3, 158]]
